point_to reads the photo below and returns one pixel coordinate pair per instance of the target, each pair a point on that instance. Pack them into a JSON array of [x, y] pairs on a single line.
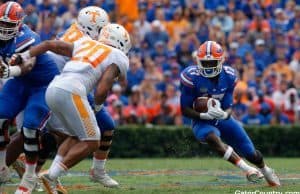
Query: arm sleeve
[[187, 90]]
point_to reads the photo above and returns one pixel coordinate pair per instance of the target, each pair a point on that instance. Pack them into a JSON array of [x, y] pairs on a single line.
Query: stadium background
[[261, 40]]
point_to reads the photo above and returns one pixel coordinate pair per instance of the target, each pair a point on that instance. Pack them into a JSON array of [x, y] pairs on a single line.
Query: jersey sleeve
[[26, 39], [232, 79], [187, 89]]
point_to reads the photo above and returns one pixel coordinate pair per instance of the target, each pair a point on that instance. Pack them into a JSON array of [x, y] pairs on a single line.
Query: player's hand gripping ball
[[200, 104]]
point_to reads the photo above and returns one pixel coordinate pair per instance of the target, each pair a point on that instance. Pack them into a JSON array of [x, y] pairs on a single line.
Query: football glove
[[4, 70], [215, 110]]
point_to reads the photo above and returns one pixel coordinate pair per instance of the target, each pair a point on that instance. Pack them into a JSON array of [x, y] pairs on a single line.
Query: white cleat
[[102, 177], [49, 184], [28, 183], [4, 174], [254, 176], [270, 176]]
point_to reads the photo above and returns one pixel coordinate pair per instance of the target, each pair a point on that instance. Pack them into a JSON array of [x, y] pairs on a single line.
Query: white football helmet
[[116, 36], [91, 20]]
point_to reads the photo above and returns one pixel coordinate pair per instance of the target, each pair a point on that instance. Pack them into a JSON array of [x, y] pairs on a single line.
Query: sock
[[98, 164], [30, 167], [3, 157], [243, 165], [57, 170], [58, 158], [265, 168]]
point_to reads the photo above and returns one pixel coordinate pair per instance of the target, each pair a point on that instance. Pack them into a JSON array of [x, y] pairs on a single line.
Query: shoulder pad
[[231, 74], [188, 74]]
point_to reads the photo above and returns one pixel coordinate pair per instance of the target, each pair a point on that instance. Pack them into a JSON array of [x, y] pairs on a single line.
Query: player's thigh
[[55, 125], [233, 133], [202, 128], [75, 113], [104, 120], [13, 97], [36, 112]]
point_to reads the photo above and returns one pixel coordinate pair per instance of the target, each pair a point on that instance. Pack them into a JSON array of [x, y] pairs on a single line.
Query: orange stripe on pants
[[84, 115]]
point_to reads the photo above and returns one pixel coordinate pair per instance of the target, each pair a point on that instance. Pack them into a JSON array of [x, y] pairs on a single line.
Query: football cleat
[[49, 184], [59, 187], [254, 176], [19, 165], [4, 174], [102, 177], [270, 176], [28, 183]]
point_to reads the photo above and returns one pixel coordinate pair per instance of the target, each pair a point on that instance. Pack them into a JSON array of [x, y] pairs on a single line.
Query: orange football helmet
[[210, 59], [11, 18]]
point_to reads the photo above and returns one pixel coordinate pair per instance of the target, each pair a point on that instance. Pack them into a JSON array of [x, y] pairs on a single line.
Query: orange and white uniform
[[71, 35], [67, 93]]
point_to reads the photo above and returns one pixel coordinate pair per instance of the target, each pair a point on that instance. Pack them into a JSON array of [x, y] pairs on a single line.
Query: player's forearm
[[105, 84], [56, 46], [190, 113], [229, 112]]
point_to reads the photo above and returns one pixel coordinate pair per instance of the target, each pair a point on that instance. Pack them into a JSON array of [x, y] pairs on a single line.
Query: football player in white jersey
[[93, 64], [89, 22]]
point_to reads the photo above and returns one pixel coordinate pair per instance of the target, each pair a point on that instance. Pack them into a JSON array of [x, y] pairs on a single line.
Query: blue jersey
[[194, 85], [45, 68]]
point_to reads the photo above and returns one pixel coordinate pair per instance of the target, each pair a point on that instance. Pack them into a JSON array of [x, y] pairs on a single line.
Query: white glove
[[216, 111], [206, 116], [25, 57], [4, 70]]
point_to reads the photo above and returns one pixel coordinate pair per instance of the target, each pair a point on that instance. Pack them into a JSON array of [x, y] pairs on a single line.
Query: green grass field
[[190, 175]]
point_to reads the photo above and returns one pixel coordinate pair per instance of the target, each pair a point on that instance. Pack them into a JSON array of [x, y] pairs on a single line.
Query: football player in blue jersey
[[25, 90], [216, 126]]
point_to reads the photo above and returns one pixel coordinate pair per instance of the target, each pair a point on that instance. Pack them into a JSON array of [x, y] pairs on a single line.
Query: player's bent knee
[[31, 141], [107, 136], [4, 133], [48, 143], [256, 158], [106, 140], [93, 145]]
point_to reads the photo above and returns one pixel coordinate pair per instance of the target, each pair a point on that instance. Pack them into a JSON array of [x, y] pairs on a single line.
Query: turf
[[190, 175]]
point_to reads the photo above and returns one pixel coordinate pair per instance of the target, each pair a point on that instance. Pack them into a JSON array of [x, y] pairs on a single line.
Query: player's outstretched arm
[[22, 63], [106, 82], [56, 46]]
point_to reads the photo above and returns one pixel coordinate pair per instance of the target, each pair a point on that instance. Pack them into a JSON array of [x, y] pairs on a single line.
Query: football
[[200, 104]]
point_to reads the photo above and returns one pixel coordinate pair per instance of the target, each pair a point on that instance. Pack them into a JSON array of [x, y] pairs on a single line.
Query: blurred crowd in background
[[261, 39]]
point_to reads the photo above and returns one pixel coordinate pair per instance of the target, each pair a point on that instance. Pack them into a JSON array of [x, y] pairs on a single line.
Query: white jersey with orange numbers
[[71, 35], [90, 59]]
